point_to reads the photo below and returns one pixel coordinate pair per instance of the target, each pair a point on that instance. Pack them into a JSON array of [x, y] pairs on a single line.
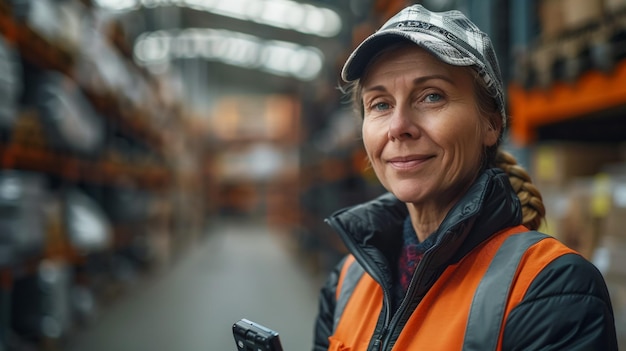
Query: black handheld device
[[251, 336]]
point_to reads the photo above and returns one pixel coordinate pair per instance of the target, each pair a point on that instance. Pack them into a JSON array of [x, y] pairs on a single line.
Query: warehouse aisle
[[241, 270]]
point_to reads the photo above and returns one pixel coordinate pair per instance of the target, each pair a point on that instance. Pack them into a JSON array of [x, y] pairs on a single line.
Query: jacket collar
[[373, 230]]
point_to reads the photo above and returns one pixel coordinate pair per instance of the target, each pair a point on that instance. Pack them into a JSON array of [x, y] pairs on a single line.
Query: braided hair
[[533, 209]]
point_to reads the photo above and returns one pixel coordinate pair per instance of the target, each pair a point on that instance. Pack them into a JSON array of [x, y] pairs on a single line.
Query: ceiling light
[[233, 48], [118, 5], [286, 14]]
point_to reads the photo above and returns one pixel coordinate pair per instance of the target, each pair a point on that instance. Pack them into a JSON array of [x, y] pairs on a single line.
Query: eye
[[380, 106], [434, 97]]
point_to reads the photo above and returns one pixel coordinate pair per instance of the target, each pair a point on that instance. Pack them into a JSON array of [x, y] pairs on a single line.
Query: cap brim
[[359, 59]]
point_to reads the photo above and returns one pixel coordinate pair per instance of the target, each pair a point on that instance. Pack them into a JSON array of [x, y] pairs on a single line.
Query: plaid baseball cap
[[450, 36]]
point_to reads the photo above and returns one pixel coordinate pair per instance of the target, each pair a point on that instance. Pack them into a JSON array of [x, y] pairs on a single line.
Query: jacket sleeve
[[567, 307], [327, 300]]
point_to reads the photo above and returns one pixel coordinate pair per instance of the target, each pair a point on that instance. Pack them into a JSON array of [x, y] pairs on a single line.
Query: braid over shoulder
[[533, 209]]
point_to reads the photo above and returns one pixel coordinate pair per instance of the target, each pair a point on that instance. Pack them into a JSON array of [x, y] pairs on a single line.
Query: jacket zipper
[[377, 345], [402, 309], [383, 339]]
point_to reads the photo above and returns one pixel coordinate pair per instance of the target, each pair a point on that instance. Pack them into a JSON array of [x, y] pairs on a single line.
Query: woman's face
[[421, 127]]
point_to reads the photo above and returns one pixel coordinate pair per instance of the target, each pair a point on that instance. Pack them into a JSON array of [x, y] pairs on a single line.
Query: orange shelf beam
[[71, 168], [594, 91]]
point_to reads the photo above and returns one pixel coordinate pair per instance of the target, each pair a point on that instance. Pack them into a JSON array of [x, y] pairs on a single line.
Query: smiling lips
[[409, 162]]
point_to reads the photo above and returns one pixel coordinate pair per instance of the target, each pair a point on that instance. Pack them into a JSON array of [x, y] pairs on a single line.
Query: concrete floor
[[241, 270]]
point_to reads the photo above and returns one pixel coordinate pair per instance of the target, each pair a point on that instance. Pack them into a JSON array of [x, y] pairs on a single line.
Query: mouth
[[409, 162]]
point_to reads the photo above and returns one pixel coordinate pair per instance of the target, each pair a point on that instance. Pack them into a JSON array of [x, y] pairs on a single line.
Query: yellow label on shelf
[[546, 163], [601, 197]]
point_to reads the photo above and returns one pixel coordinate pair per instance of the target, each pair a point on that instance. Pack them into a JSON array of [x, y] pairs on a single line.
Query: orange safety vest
[[466, 307]]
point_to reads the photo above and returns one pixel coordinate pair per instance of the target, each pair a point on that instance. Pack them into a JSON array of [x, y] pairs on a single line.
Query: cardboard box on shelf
[[612, 6], [555, 164], [551, 18], [594, 208], [578, 227], [580, 13]]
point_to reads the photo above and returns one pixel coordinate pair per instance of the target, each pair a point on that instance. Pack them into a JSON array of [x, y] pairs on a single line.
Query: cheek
[[370, 139], [463, 142], [374, 142]]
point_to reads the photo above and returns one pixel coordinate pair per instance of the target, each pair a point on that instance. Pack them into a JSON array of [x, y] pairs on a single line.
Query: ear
[[492, 134]]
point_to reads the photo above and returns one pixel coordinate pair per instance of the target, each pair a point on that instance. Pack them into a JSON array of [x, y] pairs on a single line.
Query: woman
[[448, 259]]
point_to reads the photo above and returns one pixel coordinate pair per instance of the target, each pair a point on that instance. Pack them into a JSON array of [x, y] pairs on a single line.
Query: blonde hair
[[533, 210]]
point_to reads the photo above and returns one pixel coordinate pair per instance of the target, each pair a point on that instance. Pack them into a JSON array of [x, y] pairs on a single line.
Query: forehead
[[410, 59]]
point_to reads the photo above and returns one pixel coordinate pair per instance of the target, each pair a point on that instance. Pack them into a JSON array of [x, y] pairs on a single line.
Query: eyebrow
[[416, 81]]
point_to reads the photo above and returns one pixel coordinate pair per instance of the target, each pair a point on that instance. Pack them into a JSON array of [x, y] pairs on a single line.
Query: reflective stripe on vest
[[466, 307], [488, 306], [350, 275]]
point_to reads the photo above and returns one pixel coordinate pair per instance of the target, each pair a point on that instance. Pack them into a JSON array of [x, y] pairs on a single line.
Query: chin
[[409, 193], [408, 198]]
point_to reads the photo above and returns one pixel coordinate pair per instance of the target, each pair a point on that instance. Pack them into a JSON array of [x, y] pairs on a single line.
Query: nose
[[402, 125]]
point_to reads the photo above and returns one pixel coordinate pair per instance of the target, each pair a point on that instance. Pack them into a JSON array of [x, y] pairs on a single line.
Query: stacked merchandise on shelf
[[10, 85], [87, 168], [565, 173], [610, 253], [588, 212], [22, 237], [567, 101], [574, 67], [576, 36]]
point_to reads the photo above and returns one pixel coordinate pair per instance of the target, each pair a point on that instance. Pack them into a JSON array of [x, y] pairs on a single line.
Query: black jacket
[[567, 307]]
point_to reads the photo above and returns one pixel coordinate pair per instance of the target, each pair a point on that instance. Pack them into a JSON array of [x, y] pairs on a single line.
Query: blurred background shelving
[[96, 152], [128, 128]]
